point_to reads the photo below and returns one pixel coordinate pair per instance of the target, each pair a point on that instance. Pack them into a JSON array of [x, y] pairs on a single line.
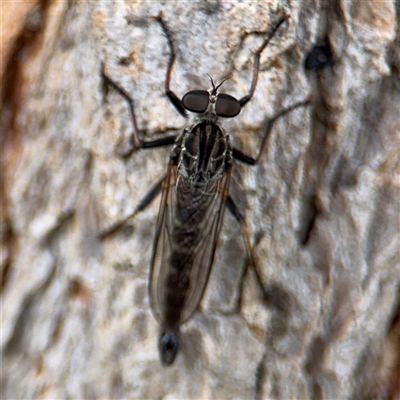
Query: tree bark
[[321, 207]]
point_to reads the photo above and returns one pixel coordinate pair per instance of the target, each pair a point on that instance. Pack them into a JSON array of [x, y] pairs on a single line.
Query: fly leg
[[150, 196], [256, 67], [238, 155], [231, 206], [173, 98], [233, 209], [136, 141]]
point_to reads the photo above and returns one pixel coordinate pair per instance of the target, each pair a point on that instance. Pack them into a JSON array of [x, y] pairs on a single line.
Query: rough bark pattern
[[322, 207]]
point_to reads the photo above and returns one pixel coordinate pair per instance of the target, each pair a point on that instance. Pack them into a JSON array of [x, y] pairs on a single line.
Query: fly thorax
[[204, 155]]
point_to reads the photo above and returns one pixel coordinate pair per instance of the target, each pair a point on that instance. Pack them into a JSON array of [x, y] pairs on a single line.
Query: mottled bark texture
[[321, 207]]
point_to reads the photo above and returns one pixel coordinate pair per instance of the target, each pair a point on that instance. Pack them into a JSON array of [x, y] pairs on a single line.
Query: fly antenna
[[215, 88], [221, 83], [213, 85]]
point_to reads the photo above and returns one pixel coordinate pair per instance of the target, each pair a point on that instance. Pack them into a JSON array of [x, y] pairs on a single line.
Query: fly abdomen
[[183, 240], [176, 291], [177, 282]]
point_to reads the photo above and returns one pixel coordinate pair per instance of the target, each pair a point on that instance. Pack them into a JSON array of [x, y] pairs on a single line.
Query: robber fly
[[195, 192]]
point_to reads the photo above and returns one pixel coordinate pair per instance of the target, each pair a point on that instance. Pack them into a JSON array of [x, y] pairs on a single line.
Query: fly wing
[[204, 252], [208, 224], [162, 245]]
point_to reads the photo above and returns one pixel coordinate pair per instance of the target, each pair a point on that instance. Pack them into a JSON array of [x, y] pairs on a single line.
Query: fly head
[[211, 101]]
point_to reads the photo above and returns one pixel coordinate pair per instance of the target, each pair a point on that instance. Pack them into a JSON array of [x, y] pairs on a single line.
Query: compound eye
[[227, 106], [196, 101]]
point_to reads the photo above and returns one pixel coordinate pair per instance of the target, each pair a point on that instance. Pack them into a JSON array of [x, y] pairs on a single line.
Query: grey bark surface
[[321, 207]]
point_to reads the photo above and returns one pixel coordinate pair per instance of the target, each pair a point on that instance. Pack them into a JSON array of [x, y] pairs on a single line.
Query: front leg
[[238, 155], [136, 141]]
